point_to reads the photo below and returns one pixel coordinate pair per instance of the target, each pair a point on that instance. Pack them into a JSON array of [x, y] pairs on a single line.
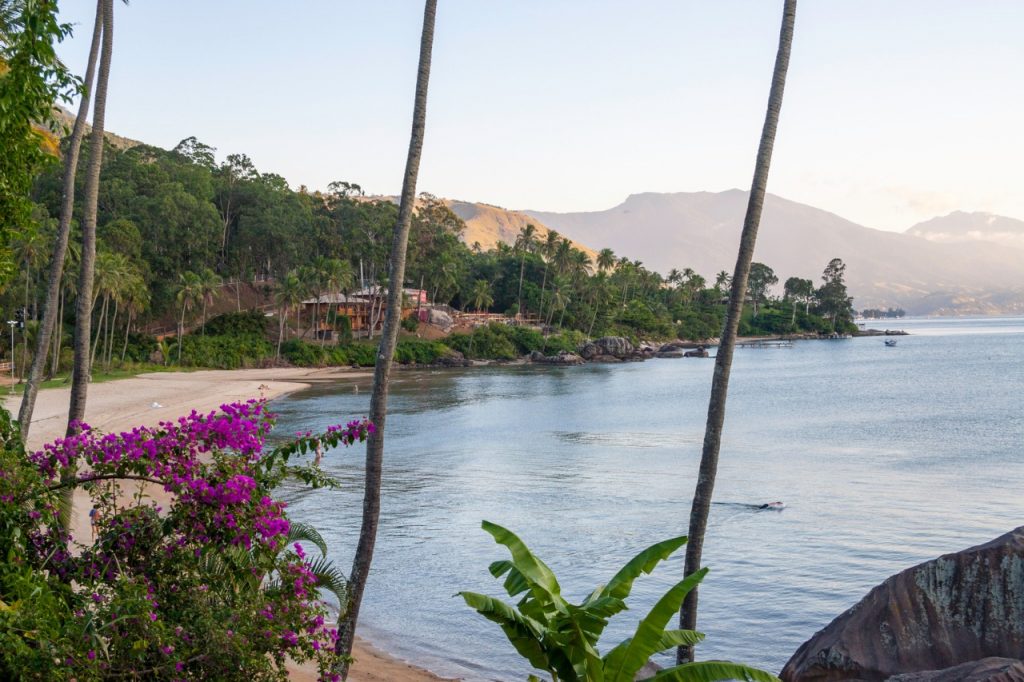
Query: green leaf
[[524, 633], [515, 583], [543, 584], [644, 562], [673, 638], [713, 671], [299, 532], [329, 577], [625, 660]]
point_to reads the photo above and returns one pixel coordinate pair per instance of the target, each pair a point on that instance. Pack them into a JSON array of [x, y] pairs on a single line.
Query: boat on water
[[890, 342]]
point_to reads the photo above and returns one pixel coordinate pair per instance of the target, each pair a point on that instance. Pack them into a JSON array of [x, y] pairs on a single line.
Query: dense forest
[[177, 231]]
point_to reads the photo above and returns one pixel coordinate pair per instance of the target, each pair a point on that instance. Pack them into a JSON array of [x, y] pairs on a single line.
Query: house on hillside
[[364, 308]]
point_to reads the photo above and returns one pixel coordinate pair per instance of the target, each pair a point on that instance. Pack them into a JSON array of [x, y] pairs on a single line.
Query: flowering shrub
[[212, 587]]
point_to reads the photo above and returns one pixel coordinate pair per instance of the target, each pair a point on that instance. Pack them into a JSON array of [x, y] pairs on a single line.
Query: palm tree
[[83, 308], [386, 351], [209, 284], [481, 295], [288, 294], [60, 246], [723, 360], [605, 260], [136, 301], [190, 292], [338, 278], [525, 243], [548, 252]]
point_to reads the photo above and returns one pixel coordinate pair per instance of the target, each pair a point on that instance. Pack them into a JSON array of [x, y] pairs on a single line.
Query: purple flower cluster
[[221, 479]]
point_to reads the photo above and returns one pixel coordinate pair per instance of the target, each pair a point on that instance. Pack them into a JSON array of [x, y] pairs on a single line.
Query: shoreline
[[146, 399]]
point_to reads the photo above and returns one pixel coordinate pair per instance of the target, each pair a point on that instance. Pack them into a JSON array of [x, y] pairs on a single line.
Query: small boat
[[890, 342]]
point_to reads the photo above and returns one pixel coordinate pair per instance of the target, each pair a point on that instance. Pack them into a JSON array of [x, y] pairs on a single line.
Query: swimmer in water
[[772, 505]]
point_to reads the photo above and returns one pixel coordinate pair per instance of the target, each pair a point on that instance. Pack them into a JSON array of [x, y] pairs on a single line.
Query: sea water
[[884, 457]]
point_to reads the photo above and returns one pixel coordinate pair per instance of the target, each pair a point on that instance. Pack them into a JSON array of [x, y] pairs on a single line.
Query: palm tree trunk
[[99, 330], [83, 309], [522, 266], [127, 331], [181, 331], [110, 336], [386, 351], [58, 342], [723, 360], [280, 329]]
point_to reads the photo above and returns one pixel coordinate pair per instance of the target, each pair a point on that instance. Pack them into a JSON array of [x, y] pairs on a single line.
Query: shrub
[[568, 340], [416, 351], [410, 324], [492, 342], [252, 322], [224, 352], [214, 587]]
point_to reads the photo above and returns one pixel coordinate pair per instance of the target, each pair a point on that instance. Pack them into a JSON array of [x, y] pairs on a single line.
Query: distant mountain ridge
[[959, 227], [701, 230]]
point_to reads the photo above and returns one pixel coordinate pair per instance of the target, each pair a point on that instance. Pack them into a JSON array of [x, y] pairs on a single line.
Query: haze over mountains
[[958, 264]]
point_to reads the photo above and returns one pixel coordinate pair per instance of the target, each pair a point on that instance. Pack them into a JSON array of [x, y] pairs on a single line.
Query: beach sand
[[150, 398]]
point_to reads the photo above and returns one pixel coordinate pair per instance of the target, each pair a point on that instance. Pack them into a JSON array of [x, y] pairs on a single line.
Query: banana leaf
[[524, 633], [644, 562], [712, 671], [623, 662], [543, 584]]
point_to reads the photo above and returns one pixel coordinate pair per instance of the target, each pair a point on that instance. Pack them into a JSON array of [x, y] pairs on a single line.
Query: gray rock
[[985, 670], [957, 609], [674, 353], [440, 318], [617, 346], [589, 351], [563, 358]]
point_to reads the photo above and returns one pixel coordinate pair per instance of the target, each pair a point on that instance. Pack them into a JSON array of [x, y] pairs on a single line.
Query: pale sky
[[895, 111]]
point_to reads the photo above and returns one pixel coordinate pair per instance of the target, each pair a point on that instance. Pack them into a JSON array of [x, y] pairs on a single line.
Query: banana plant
[[561, 638]]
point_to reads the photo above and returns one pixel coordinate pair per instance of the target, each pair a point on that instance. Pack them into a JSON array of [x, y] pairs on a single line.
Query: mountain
[[959, 227], [701, 230]]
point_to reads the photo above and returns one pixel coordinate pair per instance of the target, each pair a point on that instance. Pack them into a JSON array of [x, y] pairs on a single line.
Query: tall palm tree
[[288, 294], [701, 506], [136, 301], [209, 284], [83, 308], [190, 292], [386, 351], [605, 260], [338, 278], [548, 252], [60, 246], [524, 243]]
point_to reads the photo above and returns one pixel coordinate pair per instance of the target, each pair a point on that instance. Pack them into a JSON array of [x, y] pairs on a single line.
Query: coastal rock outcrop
[[453, 359], [932, 618], [616, 346], [672, 353], [563, 358]]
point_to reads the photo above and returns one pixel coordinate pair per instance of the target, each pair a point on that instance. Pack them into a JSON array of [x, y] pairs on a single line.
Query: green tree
[[386, 351], [189, 294], [288, 295], [481, 296], [209, 284], [760, 279], [525, 244], [797, 290], [833, 299], [701, 505]]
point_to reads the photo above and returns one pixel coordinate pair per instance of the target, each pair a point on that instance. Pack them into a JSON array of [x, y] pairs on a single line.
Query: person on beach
[[94, 521], [319, 454]]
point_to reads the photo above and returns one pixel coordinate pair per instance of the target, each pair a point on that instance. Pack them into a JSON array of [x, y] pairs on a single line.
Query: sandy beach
[[149, 398]]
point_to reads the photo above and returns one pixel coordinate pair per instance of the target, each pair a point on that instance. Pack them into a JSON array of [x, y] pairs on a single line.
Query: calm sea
[[884, 457]]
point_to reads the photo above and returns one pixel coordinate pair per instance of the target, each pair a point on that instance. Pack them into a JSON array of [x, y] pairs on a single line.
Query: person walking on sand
[[319, 454], [94, 521]]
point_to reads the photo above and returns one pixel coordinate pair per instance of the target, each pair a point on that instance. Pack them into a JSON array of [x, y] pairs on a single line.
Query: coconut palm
[[288, 294], [605, 260], [481, 295], [386, 352], [137, 300], [547, 249], [83, 308], [701, 506], [209, 284], [339, 277], [189, 294], [524, 242], [60, 246]]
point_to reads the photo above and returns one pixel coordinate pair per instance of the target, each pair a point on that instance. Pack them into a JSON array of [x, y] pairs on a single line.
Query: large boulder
[[959, 608], [616, 346], [440, 318], [985, 670], [672, 353], [563, 358], [589, 351]]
